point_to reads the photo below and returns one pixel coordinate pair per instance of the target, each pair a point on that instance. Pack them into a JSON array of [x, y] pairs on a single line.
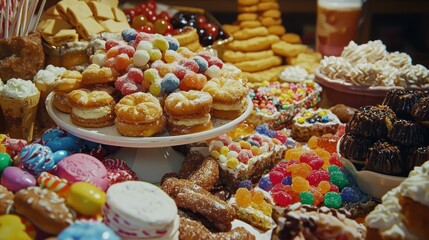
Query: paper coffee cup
[[20, 116]]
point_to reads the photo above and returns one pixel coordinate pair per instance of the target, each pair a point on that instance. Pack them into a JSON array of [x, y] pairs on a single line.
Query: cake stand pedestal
[[149, 157]]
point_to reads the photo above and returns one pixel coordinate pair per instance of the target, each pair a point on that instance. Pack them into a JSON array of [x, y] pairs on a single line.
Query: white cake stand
[[149, 157]]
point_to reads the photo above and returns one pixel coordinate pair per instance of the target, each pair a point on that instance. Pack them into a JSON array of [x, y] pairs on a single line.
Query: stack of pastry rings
[[139, 210]]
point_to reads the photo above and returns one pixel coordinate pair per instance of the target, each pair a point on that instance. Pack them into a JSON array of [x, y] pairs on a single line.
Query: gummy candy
[[160, 43], [294, 195], [294, 153], [135, 74], [312, 142], [318, 196], [257, 197], [287, 180], [212, 72], [243, 157], [334, 188], [215, 61], [333, 200], [299, 184], [171, 56], [266, 208], [328, 142], [325, 155], [144, 45], [202, 64], [243, 197], [324, 186], [121, 62], [191, 65], [339, 179], [179, 71], [333, 168], [155, 89], [164, 69], [151, 74], [349, 194], [281, 137], [265, 183], [245, 184], [169, 83], [126, 49], [279, 187], [302, 170], [232, 163], [141, 58], [173, 44], [111, 43], [155, 54], [335, 160], [276, 177], [306, 198], [282, 199]]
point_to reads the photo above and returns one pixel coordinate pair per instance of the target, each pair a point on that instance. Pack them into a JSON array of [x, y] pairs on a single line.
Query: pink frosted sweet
[[15, 179], [81, 167]]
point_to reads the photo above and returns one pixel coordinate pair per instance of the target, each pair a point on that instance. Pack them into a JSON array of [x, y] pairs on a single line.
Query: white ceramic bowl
[[372, 183]]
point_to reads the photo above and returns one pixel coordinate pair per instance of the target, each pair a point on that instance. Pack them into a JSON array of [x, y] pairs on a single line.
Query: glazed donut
[[91, 108], [188, 112], [66, 82], [45, 209], [229, 97], [139, 115], [95, 74]]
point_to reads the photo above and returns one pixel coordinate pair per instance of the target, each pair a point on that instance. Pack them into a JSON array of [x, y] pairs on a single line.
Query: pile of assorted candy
[[166, 66]]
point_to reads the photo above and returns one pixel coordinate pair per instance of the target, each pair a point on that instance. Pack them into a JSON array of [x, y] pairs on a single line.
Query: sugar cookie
[[250, 24], [254, 44], [247, 2], [247, 9], [232, 56], [230, 28], [278, 30], [264, 6], [288, 50], [247, 33], [269, 21], [260, 64], [291, 38], [269, 75], [247, 17], [274, 13]]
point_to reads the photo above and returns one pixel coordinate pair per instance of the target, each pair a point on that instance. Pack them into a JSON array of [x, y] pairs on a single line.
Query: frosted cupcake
[[19, 99]]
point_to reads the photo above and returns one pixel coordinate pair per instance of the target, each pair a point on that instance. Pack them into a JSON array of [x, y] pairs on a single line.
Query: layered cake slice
[[248, 158]]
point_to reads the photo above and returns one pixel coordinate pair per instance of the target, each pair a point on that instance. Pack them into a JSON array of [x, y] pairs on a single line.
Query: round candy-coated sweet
[[129, 34], [86, 198], [88, 230], [15, 179], [203, 65], [333, 200], [144, 45], [173, 44], [11, 227], [160, 43], [59, 155], [306, 198], [169, 83], [141, 58], [5, 161], [339, 179]]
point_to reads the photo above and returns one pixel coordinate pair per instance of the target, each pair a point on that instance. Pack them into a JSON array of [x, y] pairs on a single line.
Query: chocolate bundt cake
[[408, 133], [385, 158], [402, 101], [372, 122], [420, 111], [415, 157], [354, 148]]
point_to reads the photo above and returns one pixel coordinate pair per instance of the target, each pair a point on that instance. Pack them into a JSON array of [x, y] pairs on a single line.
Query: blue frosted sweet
[[88, 231]]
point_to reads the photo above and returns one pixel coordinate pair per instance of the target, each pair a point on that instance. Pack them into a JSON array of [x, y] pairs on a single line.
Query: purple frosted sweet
[[15, 179], [37, 158]]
